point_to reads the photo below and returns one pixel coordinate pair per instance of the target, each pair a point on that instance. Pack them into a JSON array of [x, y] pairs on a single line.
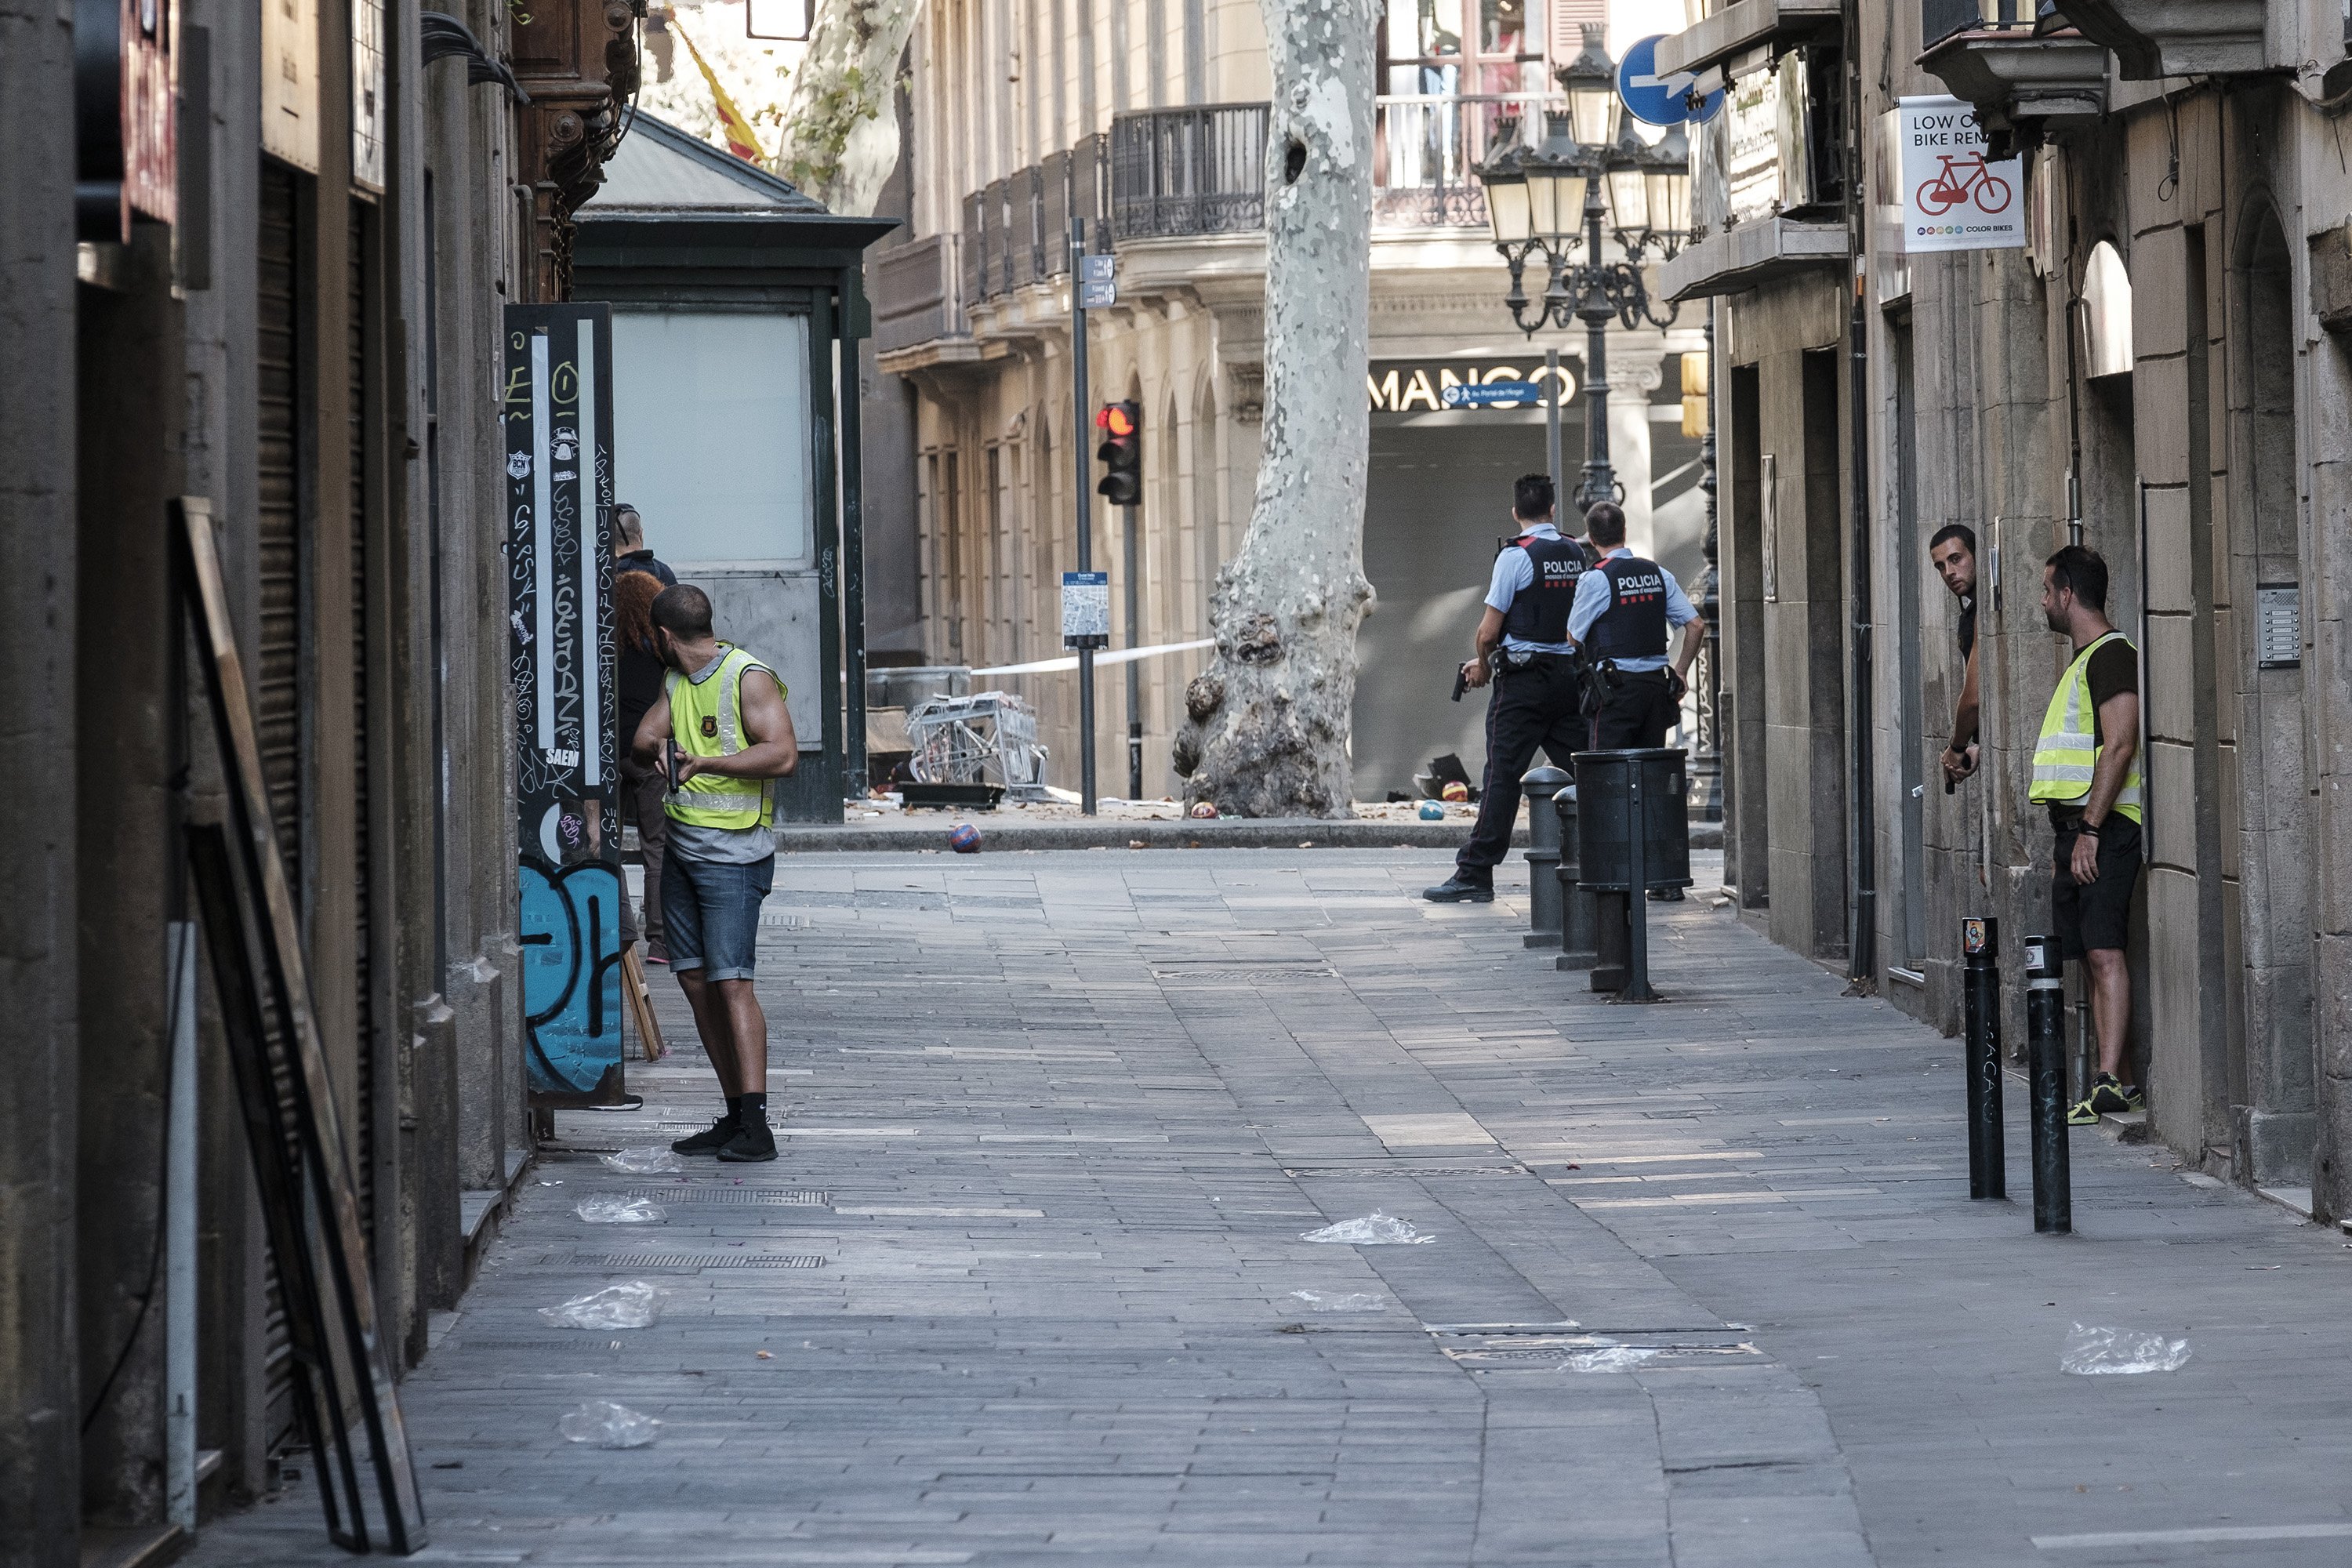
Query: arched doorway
[[2272, 1081]]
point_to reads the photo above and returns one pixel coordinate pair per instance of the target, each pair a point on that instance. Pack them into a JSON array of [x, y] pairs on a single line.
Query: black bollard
[[1577, 916], [1544, 837], [2045, 1040], [1980, 1057]]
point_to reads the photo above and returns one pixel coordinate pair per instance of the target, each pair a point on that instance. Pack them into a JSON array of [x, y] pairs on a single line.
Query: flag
[[740, 140]]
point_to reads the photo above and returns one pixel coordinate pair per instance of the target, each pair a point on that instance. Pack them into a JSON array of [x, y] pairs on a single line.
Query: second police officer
[[1523, 646], [1623, 609]]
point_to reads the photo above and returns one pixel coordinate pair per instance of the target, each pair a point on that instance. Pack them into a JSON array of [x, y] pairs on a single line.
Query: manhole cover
[[693, 1261], [788, 1197], [1405, 1169]]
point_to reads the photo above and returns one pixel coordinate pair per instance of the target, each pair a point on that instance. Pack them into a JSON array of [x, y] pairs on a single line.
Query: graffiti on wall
[[558, 415]]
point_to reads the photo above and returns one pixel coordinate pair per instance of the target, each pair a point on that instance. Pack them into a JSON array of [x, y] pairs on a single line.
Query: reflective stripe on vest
[[706, 718], [2068, 751]]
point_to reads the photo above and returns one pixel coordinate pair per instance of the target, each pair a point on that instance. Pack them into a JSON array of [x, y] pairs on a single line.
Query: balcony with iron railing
[[1169, 174], [2016, 72]]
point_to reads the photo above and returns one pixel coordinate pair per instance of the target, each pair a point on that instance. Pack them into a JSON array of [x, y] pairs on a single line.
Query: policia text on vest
[[1523, 649], [2087, 770], [723, 735]]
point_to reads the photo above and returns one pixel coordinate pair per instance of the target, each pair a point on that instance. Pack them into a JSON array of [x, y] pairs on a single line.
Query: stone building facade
[[2159, 365], [1146, 123], [289, 312]]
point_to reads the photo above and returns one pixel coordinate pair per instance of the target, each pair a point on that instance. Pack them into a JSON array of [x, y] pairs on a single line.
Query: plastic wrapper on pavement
[[633, 1304], [1375, 1229], [609, 1425], [610, 1208], [1347, 1301], [2109, 1352], [652, 1160]]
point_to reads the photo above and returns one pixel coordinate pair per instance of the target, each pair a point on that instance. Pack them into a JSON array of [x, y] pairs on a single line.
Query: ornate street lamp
[[1589, 170]]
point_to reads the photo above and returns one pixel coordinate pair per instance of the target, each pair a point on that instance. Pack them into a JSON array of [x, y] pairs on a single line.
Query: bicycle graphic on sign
[[1964, 176]]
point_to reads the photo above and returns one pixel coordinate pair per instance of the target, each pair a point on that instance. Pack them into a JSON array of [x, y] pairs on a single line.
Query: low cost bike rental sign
[[1953, 199]]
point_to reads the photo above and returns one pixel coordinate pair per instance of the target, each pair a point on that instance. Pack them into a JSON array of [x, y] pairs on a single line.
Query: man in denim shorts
[[721, 732]]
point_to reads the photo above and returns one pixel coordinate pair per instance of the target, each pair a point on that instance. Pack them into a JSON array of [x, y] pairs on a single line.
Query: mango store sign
[[1412, 388], [1953, 199]]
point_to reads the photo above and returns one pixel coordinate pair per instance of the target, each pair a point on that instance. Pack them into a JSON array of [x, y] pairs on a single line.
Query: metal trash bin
[[1633, 833]]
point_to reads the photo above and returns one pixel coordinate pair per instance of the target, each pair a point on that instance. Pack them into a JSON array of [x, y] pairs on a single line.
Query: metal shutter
[[277, 678], [363, 983]]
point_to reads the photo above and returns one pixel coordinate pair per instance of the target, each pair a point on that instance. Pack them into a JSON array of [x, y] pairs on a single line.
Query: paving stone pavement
[[1022, 1287]]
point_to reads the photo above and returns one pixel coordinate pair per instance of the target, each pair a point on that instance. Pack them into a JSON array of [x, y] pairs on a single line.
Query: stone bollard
[[1540, 786], [1576, 914]]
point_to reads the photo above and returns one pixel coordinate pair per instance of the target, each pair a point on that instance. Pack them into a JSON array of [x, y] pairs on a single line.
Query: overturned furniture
[[970, 750]]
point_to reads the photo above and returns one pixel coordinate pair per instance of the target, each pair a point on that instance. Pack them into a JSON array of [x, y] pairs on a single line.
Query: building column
[[1635, 371], [41, 1413]]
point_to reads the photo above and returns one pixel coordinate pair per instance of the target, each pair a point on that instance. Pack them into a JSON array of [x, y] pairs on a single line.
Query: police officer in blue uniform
[[1622, 610], [1523, 647]]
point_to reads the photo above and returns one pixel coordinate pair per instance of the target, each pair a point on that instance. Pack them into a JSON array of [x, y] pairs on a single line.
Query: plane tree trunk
[[1268, 722], [841, 122]]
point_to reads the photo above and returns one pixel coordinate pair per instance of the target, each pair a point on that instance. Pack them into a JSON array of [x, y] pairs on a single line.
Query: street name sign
[[1462, 394], [1097, 282]]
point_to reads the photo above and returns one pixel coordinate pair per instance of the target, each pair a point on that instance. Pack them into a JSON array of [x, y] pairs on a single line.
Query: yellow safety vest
[[706, 719], [2068, 751]]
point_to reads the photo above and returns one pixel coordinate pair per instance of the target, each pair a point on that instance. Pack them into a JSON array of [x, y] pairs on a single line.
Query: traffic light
[[1121, 452]]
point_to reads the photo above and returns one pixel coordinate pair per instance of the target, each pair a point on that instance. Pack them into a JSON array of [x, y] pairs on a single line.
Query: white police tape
[[1122, 656]]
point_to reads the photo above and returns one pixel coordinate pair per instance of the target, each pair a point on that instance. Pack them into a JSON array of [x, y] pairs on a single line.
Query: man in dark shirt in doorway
[[629, 551], [639, 675], [1953, 552]]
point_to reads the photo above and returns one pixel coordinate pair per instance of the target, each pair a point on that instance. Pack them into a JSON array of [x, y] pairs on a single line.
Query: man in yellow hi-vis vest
[[721, 734], [2087, 770]]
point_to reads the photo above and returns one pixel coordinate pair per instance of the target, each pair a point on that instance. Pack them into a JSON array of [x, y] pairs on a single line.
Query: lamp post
[[1588, 174]]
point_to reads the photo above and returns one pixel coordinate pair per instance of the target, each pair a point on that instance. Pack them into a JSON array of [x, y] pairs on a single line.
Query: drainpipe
[[1864, 945]]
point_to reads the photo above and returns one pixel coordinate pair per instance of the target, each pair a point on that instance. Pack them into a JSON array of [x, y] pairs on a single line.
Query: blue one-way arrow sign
[[1657, 100]]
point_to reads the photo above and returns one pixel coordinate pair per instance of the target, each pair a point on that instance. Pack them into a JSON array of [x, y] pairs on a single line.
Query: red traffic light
[[1121, 452]]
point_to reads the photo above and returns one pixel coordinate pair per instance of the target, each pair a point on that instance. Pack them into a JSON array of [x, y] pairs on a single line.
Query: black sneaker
[[711, 1139], [1456, 890], [753, 1141], [2107, 1098]]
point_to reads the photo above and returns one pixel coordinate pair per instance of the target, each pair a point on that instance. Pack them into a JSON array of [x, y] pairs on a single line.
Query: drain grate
[[1405, 1169], [695, 1260], [1548, 1349], [768, 1197], [583, 1344], [1239, 974]]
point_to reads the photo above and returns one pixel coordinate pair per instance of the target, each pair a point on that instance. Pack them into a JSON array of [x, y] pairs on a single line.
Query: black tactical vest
[[1539, 612], [1634, 624]]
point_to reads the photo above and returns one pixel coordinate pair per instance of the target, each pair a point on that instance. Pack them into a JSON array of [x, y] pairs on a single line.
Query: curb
[[1221, 833]]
